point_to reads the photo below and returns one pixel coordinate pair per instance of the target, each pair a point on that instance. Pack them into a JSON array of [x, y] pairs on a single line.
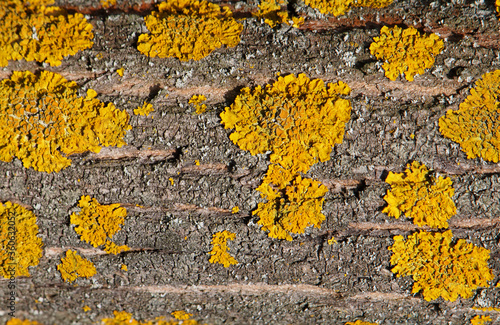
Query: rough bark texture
[[305, 281]]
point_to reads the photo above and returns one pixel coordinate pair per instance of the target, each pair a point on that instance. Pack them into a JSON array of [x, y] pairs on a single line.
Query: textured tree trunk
[[169, 227]]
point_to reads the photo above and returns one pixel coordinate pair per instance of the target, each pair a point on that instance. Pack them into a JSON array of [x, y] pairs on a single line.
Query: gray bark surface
[[305, 281]]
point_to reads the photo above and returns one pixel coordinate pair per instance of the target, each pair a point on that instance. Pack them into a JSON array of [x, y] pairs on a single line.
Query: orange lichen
[[405, 51], [120, 72], [487, 308], [299, 120], [20, 247], [270, 11], [17, 321], [144, 110], [42, 120], [235, 210], [480, 320], [124, 268], [291, 208], [124, 318], [74, 266], [418, 195], [108, 3], [476, 124], [188, 29], [181, 315], [86, 308], [439, 268], [95, 223], [219, 248], [340, 7], [360, 322], [197, 101], [34, 31]]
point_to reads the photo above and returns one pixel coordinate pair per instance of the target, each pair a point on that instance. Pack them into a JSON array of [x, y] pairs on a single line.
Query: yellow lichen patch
[[74, 266], [439, 268], [299, 120], [270, 11], [34, 31], [188, 29], [291, 210], [360, 322], [235, 210], [86, 308], [405, 51], [124, 318], [219, 249], [418, 195], [197, 101], [487, 308], [95, 223], [124, 268], [108, 3], [121, 318], [181, 315], [120, 72], [42, 120], [296, 118], [20, 247], [17, 321], [144, 110], [476, 124], [340, 7], [480, 320], [332, 241]]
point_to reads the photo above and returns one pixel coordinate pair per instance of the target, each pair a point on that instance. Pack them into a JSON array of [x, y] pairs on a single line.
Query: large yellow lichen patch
[[405, 51], [418, 195], [272, 13], [476, 124], [97, 223], [188, 29], [34, 31], [340, 7], [74, 266], [20, 247], [42, 120], [220, 249], [299, 121], [440, 268]]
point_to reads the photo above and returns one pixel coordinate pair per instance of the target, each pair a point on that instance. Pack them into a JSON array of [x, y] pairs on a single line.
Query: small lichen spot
[[197, 101], [480, 320], [144, 110], [74, 266], [219, 249]]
